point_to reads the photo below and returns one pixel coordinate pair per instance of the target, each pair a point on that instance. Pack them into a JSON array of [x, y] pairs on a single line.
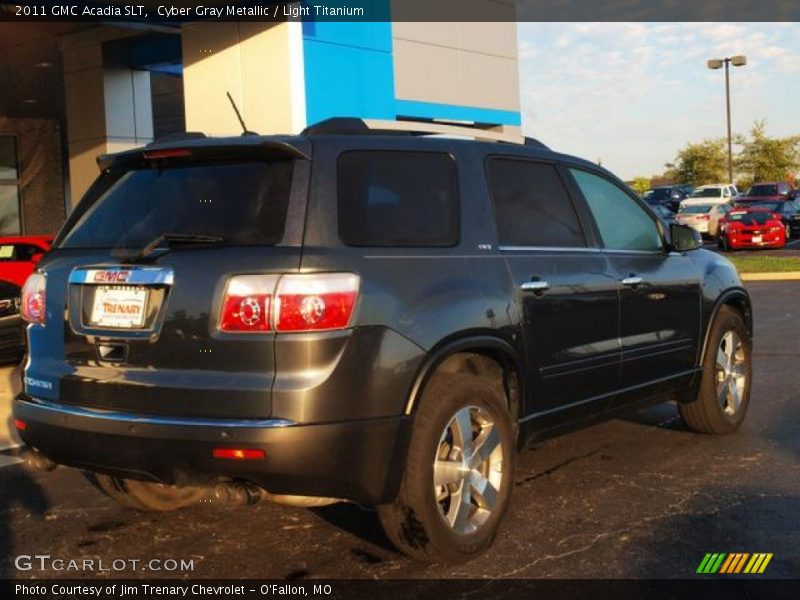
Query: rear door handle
[[535, 286], [632, 281]]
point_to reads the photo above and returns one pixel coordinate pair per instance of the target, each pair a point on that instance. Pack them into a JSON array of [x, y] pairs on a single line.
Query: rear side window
[[398, 199], [532, 206], [242, 203]]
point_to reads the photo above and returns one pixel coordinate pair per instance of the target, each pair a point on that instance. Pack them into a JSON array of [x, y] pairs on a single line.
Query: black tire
[[706, 413], [415, 521], [722, 242], [144, 495]]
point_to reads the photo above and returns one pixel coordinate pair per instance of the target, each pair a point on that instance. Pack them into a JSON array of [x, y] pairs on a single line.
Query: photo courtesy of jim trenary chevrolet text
[[399, 298]]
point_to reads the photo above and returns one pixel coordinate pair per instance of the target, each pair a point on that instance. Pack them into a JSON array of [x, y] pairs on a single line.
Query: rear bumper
[[354, 460]]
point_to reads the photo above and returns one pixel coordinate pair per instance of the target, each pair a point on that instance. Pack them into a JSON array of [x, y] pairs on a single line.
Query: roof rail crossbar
[[355, 126]]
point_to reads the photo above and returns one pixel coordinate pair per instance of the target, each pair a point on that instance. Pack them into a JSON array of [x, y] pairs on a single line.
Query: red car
[[751, 228], [768, 191], [19, 255]]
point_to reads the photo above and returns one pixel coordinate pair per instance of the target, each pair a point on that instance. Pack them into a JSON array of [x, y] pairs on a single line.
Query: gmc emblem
[[111, 276]]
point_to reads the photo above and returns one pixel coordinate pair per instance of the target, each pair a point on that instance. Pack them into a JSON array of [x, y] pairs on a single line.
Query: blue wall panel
[[432, 110], [349, 70]]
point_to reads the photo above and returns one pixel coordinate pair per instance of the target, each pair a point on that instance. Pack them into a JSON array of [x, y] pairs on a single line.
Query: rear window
[[763, 190], [244, 203], [751, 218], [695, 209], [397, 199]]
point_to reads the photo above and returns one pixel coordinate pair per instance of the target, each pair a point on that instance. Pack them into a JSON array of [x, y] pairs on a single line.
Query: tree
[[763, 158], [699, 163], [640, 184]]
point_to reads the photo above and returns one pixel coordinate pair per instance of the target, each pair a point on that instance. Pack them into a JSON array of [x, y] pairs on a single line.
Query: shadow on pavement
[[18, 491], [720, 520], [360, 522]]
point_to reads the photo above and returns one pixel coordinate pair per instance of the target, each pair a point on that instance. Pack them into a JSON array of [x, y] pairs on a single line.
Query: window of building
[[532, 206], [398, 199], [9, 186], [622, 223]]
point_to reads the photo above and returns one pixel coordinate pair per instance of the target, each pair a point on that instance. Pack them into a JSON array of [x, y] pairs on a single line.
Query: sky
[[632, 94]]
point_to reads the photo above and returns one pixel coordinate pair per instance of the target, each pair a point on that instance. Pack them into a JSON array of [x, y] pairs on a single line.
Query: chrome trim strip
[[547, 249], [107, 415], [535, 286], [136, 275]]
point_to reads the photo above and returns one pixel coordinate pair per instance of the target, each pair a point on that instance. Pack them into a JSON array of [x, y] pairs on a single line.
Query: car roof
[[299, 146]]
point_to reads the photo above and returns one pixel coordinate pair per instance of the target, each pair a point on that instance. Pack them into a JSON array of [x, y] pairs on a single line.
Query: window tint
[[398, 199], [623, 224], [243, 203], [532, 206]]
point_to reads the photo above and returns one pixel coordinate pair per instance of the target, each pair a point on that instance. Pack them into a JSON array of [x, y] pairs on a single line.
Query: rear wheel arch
[[488, 357], [737, 299]]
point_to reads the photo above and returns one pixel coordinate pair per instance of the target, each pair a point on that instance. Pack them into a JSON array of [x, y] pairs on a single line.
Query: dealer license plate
[[119, 307]]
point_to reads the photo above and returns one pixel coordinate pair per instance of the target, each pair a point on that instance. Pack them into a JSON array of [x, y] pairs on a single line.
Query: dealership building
[[73, 91]]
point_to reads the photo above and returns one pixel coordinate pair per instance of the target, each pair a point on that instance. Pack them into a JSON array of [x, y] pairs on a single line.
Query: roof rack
[[414, 127]]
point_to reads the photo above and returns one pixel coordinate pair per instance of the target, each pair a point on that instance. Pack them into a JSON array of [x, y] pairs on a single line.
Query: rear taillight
[[33, 299], [315, 301], [289, 303], [247, 304], [702, 217], [239, 453]]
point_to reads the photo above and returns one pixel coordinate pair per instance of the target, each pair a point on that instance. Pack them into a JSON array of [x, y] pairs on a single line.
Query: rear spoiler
[[208, 148]]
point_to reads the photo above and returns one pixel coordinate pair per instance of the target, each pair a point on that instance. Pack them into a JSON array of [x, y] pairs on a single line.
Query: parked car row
[[766, 216]]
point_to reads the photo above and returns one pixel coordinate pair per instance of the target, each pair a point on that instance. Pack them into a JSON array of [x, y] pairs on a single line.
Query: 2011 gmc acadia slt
[[364, 314]]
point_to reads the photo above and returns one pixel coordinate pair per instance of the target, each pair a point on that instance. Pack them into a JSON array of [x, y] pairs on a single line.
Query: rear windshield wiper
[[164, 242]]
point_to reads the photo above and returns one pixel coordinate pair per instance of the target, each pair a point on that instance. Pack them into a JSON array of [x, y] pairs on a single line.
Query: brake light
[[172, 153], [20, 424], [702, 217], [33, 299], [240, 453], [247, 304], [315, 301]]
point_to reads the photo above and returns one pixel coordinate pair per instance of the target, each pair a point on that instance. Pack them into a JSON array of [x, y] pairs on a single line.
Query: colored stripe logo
[[734, 563]]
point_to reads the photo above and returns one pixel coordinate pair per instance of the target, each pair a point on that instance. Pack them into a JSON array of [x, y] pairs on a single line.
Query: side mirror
[[684, 238], [37, 257]]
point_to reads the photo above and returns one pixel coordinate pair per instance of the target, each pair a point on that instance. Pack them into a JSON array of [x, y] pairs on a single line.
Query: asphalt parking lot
[[637, 496]]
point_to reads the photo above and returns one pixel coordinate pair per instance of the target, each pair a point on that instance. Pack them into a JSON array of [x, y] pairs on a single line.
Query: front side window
[[400, 199], [622, 223], [532, 206], [9, 186]]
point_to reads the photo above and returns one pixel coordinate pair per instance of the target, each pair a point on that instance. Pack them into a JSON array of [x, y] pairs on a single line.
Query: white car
[[703, 216], [714, 193]]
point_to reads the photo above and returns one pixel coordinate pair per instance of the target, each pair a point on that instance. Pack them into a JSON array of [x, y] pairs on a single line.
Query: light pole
[[716, 63]]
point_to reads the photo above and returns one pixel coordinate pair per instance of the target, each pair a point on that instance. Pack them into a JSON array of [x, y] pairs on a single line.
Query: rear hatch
[[135, 283]]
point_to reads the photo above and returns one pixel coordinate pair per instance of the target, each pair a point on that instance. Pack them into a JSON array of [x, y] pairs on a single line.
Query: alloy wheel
[[468, 470], [731, 372]]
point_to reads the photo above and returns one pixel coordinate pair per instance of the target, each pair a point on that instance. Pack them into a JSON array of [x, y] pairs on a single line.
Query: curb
[[774, 276]]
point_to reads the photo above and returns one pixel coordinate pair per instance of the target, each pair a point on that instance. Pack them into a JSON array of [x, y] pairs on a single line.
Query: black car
[[664, 213], [12, 332], [368, 315], [787, 210], [668, 195]]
